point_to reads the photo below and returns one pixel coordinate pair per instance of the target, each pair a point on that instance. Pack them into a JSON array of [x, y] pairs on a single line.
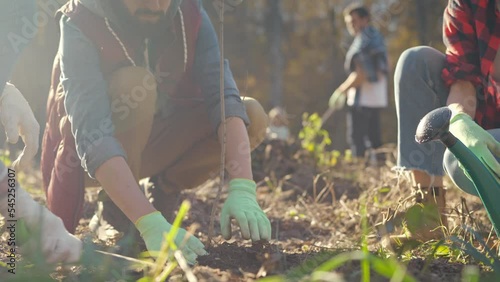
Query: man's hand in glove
[[241, 204], [478, 140], [46, 233], [153, 228], [18, 120]]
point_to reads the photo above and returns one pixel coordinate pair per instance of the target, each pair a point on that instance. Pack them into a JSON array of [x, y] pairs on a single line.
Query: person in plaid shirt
[[466, 79]]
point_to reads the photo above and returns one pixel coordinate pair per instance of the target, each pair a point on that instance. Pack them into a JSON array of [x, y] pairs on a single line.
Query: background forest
[[282, 52], [324, 206]]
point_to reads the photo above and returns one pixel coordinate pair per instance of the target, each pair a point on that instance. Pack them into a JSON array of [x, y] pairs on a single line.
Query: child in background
[[278, 124]]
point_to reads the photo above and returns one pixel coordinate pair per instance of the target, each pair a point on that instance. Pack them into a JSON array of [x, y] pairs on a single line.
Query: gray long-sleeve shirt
[[88, 105]]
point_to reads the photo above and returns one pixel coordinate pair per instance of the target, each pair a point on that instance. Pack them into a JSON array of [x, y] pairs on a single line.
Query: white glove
[[46, 231], [18, 120]]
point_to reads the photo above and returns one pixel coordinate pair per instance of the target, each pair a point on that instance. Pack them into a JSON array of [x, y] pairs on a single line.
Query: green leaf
[[340, 260], [472, 251], [310, 147], [390, 269], [419, 217], [470, 273], [273, 279], [442, 250], [336, 153], [384, 190], [5, 159]]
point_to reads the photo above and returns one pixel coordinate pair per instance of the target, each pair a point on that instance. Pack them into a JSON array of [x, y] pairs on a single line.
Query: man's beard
[[131, 24]]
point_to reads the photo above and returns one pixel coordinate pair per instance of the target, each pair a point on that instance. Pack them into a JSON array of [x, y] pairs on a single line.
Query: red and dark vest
[[63, 175]]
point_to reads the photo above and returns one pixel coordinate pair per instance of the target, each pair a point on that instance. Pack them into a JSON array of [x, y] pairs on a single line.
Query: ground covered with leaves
[[317, 214]]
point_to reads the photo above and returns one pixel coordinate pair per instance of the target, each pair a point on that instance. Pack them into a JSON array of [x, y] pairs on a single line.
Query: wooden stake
[[223, 124]]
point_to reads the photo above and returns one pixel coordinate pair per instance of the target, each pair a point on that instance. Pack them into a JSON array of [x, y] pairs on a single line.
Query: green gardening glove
[[337, 100], [241, 204], [153, 228], [479, 141]]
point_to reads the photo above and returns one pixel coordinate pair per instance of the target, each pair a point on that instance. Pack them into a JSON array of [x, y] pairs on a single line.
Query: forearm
[[355, 79], [238, 159], [117, 180], [462, 97]]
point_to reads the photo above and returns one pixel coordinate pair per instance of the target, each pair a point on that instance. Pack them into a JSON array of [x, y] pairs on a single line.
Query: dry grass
[[314, 213]]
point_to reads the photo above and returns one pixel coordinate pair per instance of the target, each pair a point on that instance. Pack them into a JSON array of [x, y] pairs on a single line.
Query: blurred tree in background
[[314, 41], [282, 52]]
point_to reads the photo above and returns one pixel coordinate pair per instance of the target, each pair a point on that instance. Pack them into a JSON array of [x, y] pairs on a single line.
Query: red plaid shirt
[[471, 33]]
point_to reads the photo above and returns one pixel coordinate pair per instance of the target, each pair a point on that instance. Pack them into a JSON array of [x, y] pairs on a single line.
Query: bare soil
[[315, 214]]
